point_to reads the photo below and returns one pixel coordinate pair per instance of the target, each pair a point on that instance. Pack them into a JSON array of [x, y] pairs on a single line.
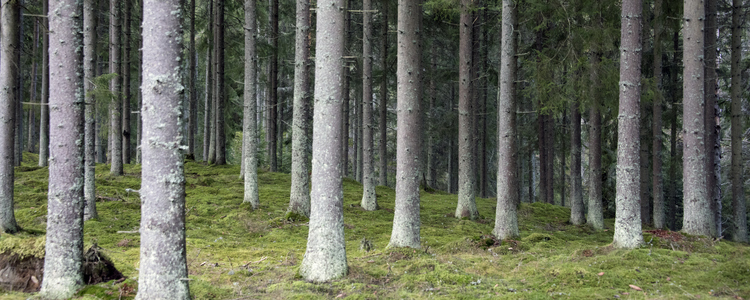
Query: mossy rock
[[537, 237]]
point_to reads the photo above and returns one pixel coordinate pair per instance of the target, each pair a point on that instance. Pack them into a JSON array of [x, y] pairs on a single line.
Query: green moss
[[24, 247]]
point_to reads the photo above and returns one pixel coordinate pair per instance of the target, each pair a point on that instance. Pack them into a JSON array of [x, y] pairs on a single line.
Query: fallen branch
[[255, 262], [133, 231]]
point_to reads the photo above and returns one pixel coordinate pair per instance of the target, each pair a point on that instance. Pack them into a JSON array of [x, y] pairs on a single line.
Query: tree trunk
[[576, 188], [325, 257], [207, 132], [628, 216], [163, 265], [383, 107], [595, 217], [273, 66], [369, 200], [64, 246], [562, 156], [220, 92], [345, 94], [506, 217], [18, 141], [126, 83], [657, 186], [44, 110], [8, 73], [697, 216], [432, 117], [192, 105], [139, 120], [738, 193], [549, 141], [672, 203], [89, 69], [115, 106], [713, 163], [299, 201], [406, 221], [30, 140], [467, 207]]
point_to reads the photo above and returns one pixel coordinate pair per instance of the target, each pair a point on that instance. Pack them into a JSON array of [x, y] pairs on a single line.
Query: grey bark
[[89, 69], [369, 200], [8, 73], [139, 120], [44, 110], [431, 117], [299, 201], [115, 106], [595, 217], [657, 186], [383, 107], [163, 266], [738, 194], [345, 94], [577, 216], [249, 128], [628, 198], [467, 207], [18, 141], [697, 216], [207, 132], [126, 82], [220, 93], [64, 245], [506, 216], [192, 104], [713, 188], [406, 220], [30, 140], [215, 89], [672, 202], [325, 257]]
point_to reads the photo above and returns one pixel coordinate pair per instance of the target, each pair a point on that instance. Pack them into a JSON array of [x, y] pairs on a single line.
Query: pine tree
[[369, 200], [8, 73], [249, 128]]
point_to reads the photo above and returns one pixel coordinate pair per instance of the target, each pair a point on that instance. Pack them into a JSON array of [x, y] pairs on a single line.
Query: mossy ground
[[237, 253]]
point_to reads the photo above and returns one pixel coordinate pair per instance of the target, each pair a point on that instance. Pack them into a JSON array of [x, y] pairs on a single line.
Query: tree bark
[[126, 82], [8, 73], [466, 207], [325, 257], [30, 140], [163, 265], [672, 202], [299, 201], [192, 104], [406, 223], [738, 193], [345, 95], [89, 69], [273, 66], [18, 141], [64, 245], [383, 107], [595, 217], [713, 159], [44, 110], [115, 106], [506, 216], [697, 216], [628, 216], [220, 93], [576, 187], [369, 200], [207, 132], [249, 125], [657, 191]]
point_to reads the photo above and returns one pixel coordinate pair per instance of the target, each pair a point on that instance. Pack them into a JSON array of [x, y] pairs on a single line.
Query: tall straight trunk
[[193, 101], [163, 265], [273, 67], [549, 146], [672, 202], [697, 216], [369, 200], [644, 197], [562, 156], [115, 106], [207, 132], [126, 55], [467, 207], [628, 198], [30, 141], [431, 116], [657, 187], [595, 217], [299, 200], [738, 193], [542, 154], [8, 73], [482, 80], [383, 107], [89, 69], [44, 110], [215, 89], [713, 159], [345, 94], [406, 220], [576, 187], [64, 245], [220, 93], [139, 120], [18, 141], [506, 216], [359, 131], [325, 257]]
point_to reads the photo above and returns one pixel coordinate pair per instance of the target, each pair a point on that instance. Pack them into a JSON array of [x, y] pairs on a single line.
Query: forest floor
[[234, 252]]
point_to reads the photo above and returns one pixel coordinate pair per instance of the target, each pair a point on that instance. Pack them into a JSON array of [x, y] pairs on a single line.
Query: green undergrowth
[[235, 252]]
